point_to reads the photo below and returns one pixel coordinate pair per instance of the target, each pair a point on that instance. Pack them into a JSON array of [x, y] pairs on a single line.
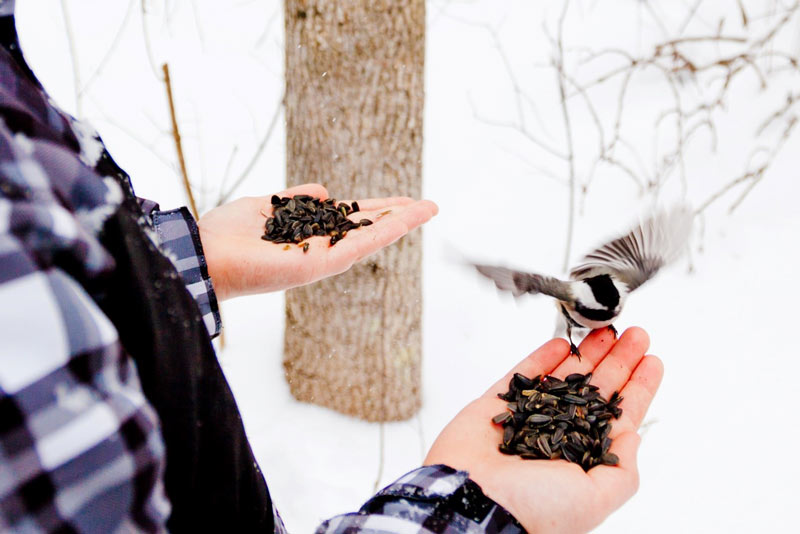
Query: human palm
[[556, 496], [241, 263]]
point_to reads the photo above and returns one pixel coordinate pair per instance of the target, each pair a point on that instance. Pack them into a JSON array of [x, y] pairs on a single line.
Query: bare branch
[[150, 146], [198, 27], [227, 172], [743, 12], [268, 29], [699, 73], [225, 195], [381, 454], [543, 171], [76, 71], [148, 47], [785, 137], [754, 176], [178, 145], [111, 49], [689, 16], [701, 39], [515, 126], [791, 99], [559, 64]]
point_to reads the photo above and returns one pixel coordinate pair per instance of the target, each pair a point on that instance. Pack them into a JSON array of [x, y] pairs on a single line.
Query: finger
[[593, 349], [366, 204], [390, 224], [542, 361], [614, 371], [638, 393], [364, 241], [617, 483], [409, 212], [385, 230], [413, 213]]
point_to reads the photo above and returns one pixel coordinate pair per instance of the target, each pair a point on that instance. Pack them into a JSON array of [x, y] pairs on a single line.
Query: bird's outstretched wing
[[636, 257], [519, 282]]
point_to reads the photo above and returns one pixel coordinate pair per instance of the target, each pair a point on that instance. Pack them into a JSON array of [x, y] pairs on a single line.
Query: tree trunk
[[354, 100]]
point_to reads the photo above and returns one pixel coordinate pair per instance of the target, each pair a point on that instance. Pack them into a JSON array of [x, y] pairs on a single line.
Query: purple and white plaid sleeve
[[433, 499], [80, 447], [179, 240]]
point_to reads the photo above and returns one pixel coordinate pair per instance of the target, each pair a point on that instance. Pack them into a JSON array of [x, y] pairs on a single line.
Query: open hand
[[556, 496], [241, 263]]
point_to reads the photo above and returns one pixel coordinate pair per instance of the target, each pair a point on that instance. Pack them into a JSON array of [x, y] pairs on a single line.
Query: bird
[[597, 288]]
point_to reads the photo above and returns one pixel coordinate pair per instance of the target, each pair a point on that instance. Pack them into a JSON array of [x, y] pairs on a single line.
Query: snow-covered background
[[719, 453]]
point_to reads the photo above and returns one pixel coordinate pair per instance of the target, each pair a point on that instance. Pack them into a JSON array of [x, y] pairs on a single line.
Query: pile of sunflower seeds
[[549, 418], [295, 219]]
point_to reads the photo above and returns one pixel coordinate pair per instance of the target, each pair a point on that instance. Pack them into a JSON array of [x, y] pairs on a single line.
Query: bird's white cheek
[[584, 294]]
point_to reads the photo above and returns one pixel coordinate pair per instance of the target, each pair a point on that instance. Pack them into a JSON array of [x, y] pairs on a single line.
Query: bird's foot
[[613, 331], [573, 349]]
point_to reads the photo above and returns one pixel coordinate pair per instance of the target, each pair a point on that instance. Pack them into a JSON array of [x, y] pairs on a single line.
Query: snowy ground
[[718, 455]]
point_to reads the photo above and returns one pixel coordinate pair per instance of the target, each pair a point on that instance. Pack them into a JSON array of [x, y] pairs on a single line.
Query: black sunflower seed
[[544, 445], [501, 418], [549, 418], [295, 219], [574, 399], [539, 419], [508, 435], [557, 386], [610, 458], [522, 382]]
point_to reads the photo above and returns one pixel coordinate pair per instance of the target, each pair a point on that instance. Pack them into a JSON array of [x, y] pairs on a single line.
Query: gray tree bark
[[354, 102]]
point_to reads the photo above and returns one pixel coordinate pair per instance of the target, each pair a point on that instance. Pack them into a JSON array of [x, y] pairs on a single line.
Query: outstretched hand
[[241, 263], [556, 496]]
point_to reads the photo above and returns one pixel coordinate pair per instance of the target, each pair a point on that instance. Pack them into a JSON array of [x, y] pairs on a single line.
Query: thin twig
[[701, 39], [699, 71], [658, 18], [148, 47], [515, 126], [111, 49], [178, 145], [689, 17], [785, 137], [197, 26], [76, 71], [381, 459], [730, 185], [423, 449], [227, 172], [568, 134], [754, 176], [150, 146], [225, 195], [791, 99], [268, 28], [543, 171]]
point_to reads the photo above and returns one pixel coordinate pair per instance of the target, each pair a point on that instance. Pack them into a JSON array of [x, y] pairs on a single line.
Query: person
[[114, 413]]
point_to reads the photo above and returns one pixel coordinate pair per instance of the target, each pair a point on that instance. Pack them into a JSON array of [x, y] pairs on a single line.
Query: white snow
[[708, 463]]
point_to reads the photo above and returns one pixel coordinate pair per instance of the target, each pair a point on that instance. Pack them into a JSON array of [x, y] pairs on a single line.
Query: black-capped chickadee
[[598, 287]]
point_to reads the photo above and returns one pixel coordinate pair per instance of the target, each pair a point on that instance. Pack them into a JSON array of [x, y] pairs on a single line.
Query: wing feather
[[519, 283], [637, 256]]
